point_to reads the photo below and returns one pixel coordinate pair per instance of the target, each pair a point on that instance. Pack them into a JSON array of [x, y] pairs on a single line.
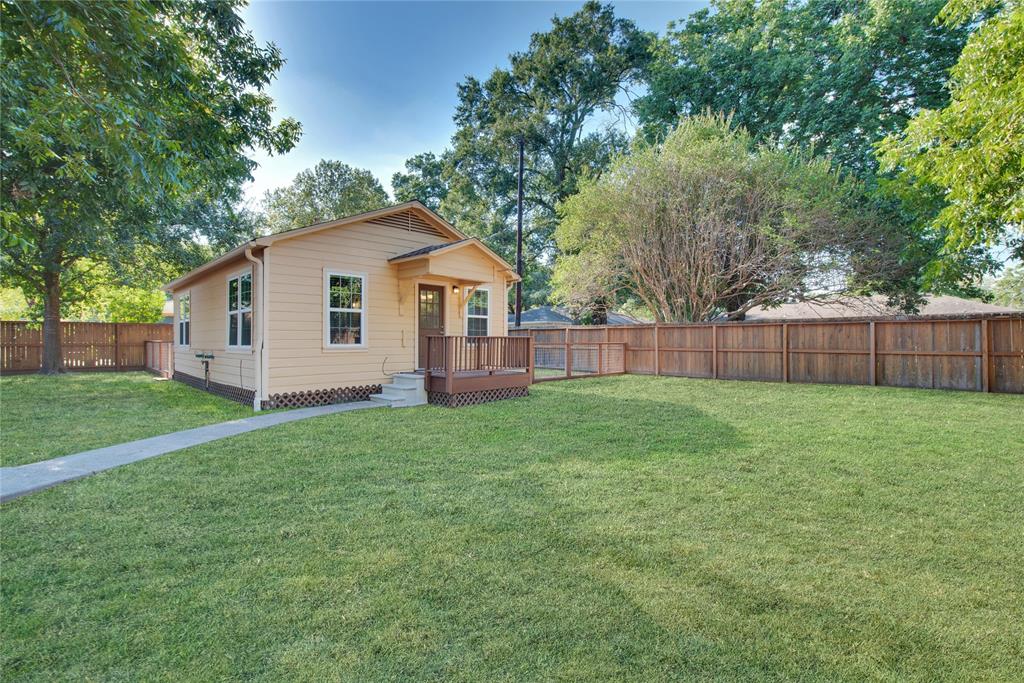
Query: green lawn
[[45, 417], [625, 528]]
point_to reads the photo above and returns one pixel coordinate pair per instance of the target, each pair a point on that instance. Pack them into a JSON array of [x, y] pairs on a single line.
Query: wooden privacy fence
[[976, 354], [85, 346]]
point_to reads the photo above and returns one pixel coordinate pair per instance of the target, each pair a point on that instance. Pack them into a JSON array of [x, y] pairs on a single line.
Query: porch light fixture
[[455, 289]]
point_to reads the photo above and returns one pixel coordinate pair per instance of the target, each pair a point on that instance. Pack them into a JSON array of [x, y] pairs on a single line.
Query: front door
[[431, 317]]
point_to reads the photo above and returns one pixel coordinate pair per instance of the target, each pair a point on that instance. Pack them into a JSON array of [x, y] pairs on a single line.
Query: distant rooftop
[[874, 306], [552, 316]]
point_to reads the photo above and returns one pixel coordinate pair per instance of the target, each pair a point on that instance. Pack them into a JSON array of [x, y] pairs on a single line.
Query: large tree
[[832, 75], [971, 150], [710, 222], [329, 190], [562, 96], [115, 116]]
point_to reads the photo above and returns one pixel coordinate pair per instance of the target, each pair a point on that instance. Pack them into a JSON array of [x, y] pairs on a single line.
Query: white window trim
[[465, 310], [326, 311], [177, 319], [227, 310]]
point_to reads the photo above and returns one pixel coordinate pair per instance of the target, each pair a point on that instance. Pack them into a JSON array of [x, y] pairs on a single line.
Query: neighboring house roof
[[443, 226], [873, 307], [551, 316]]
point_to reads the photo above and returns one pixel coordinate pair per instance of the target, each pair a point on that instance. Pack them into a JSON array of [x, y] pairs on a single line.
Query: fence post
[[529, 352], [785, 352], [714, 351], [657, 351], [568, 354], [117, 346], [873, 367], [986, 361]]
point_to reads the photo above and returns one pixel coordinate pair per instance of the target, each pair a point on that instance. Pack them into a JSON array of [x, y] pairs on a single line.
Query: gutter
[[261, 331]]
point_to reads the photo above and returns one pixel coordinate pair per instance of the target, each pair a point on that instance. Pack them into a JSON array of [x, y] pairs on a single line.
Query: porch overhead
[[467, 261]]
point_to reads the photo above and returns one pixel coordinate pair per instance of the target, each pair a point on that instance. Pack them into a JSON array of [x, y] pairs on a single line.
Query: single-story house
[[552, 316], [337, 310], [873, 307]]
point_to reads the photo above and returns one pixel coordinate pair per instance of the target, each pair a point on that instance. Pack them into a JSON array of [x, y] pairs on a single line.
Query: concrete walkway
[[36, 476]]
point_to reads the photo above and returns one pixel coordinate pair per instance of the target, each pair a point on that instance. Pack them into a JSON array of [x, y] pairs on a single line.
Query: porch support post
[[449, 364]]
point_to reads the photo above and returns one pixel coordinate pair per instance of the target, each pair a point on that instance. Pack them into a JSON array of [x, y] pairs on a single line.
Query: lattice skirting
[[244, 396], [321, 397], [471, 398]]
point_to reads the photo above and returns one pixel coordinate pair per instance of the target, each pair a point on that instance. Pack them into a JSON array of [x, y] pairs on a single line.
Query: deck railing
[[464, 354], [451, 355]]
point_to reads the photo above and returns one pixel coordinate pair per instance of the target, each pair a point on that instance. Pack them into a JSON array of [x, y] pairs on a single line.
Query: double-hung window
[[240, 311], [345, 310], [184, 319], [476, 313]]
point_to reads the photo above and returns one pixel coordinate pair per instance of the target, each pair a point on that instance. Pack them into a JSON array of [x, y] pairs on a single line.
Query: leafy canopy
[[327, 191], [832, 76], [552, 95], [115, 116], [971, 150], [710, 222]]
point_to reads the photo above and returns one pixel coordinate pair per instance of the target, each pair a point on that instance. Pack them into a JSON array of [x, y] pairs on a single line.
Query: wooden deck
[[467, 370]]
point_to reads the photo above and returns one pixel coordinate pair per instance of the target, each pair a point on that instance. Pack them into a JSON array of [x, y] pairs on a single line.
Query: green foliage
[[971, 150], [551, 95], [327, 191], [13, 305], [115, 115], [93, 291], [832, 76], [1008, 290], [710, 222]]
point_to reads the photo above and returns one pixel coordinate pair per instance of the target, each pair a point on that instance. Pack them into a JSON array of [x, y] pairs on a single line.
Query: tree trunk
[[52, 351]]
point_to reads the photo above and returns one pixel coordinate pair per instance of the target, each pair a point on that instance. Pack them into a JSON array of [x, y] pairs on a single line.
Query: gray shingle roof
[[426, 250]]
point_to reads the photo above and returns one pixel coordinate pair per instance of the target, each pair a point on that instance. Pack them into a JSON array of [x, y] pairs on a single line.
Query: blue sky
[[374, 83]]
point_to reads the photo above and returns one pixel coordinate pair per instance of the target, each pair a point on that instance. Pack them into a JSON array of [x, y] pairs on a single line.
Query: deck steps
[[406, 389]]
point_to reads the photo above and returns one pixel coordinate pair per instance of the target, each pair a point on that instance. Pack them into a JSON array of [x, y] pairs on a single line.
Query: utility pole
[[519, 239]]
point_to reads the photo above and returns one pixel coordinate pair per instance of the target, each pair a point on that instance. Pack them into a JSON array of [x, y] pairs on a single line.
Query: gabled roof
[[438, 249], [443, 226]]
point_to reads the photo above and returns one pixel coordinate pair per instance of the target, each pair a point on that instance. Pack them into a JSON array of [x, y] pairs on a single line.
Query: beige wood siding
[[298, 358], [209, 329]]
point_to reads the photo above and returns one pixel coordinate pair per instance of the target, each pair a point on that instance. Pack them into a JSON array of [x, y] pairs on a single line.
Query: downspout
[[260, 331]]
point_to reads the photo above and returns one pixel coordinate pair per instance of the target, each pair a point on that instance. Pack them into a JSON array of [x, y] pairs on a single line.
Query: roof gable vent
[[408, 220]]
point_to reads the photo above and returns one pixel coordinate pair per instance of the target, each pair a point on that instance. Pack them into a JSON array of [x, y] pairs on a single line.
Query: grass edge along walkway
[[37, 476]]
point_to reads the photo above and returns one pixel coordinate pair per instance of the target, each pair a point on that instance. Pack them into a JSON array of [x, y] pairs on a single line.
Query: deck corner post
[[449, 364]]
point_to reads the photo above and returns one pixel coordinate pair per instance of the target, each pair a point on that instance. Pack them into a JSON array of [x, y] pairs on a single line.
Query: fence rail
[[85, 346], [975, 354]]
